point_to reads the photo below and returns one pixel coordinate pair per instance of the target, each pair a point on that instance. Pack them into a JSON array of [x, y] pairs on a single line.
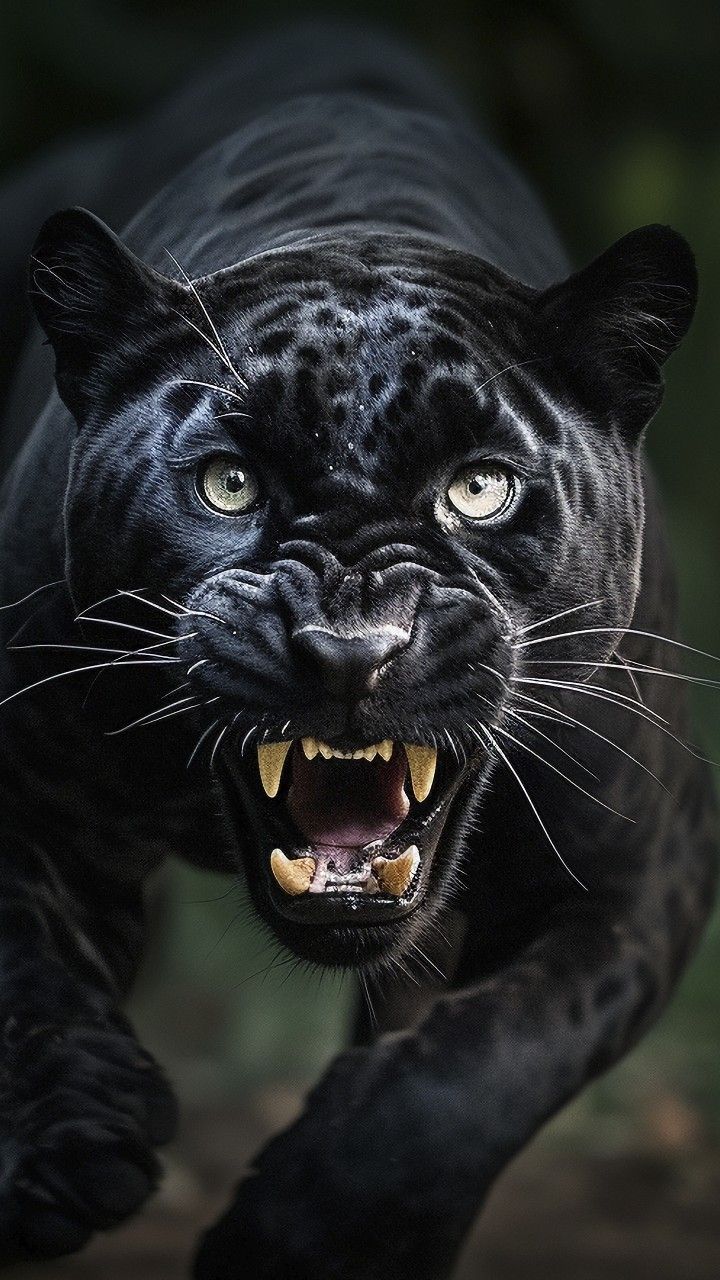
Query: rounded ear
[[613, 324], [93, 298]]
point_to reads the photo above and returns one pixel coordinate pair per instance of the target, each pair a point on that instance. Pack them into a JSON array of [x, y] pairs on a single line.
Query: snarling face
[[359, 471]]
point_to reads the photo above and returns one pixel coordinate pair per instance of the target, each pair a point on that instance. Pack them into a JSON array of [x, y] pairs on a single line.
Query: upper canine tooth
[[271, 758], [385, 748], [294, 875], [395, 874], [422, 761], [310, 747]]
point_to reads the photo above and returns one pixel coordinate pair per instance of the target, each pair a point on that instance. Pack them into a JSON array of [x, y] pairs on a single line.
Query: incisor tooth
[[294, 875], [310, 747], [394, 875], [271, 758], [422, 761], [385, 748]]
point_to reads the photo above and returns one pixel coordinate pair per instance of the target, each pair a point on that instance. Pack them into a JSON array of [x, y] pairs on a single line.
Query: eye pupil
[[481, 494], [226, 487]]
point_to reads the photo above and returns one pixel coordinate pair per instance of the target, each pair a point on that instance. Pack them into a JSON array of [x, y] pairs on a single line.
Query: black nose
[[349, 666]]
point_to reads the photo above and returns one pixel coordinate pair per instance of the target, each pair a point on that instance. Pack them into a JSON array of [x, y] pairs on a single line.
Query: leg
[[383, 1173], [82, 1106]]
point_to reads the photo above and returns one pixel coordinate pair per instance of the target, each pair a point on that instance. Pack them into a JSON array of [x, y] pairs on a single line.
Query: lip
[[422, 827]]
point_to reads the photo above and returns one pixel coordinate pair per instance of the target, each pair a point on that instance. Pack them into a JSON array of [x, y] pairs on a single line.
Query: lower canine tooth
[[395, 874], [294, 875], [271, 758], [422, 761]]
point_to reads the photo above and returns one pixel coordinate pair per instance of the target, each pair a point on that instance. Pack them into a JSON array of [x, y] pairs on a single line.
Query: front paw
[[81, 1111], [353, 1191]]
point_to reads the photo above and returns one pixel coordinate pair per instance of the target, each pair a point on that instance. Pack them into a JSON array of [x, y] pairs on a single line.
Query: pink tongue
[[347, 802]]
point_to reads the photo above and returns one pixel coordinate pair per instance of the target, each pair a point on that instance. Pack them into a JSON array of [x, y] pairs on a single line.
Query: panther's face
[[360, 471]]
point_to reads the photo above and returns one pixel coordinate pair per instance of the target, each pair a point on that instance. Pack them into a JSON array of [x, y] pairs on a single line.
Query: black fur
[[357, 295]]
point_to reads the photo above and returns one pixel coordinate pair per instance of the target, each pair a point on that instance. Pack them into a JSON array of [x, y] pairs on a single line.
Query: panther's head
[[359, 470]]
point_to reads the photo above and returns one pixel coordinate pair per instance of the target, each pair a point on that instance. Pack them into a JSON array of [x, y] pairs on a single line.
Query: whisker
[[631, 668], [152, 604], [160, 713], [205, 734], [15, 604], [218, 740], [178, 687], [79, 617], [498, 749], [564, 613], [563, 717], [631, 676], [428, 962], [199, 613], [80, 648], [60, 675], [253, 729], [645, 713], [524, 746], [516, 715], [210, 386], [610, 695], [368, 1000], [129, 626], [224, 355], [518, 364], [626, 631]]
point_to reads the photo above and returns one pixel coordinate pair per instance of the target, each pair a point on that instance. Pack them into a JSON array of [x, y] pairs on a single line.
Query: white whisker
[[564, 613], [497, 748], [160, 713], [625, 631], [218, 740], [629, 666], [209, 386], [60, 675], [645, 713], [516, 715], [224, 355], [129, 626], [205, 734], [15, 604], [563, 717], [524, 746]]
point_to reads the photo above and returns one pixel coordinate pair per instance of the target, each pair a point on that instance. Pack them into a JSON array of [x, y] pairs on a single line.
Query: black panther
[[333, 557]]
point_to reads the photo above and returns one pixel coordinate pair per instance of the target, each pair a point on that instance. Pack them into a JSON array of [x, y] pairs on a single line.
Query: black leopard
[[331, 555]]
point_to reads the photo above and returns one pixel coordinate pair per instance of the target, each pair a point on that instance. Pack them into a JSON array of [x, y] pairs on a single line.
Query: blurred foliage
[[613, 111]]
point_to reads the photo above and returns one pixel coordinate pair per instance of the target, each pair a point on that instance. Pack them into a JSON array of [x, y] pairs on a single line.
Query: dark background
[[613, 109]]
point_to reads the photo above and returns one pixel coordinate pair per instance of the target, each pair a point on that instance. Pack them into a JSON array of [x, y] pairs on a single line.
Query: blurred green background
[[613, 110]]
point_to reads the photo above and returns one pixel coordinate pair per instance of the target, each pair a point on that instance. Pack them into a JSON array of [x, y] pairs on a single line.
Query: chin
[[349, 850]]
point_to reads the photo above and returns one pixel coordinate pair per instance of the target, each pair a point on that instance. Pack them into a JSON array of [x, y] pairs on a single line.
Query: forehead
[[361, 378]]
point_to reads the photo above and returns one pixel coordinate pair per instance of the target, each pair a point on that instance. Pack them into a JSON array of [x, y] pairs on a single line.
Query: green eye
[[481, 492], [227, 486]]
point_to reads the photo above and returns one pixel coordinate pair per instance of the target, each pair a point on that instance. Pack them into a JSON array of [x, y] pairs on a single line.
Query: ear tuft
[[617, 321]]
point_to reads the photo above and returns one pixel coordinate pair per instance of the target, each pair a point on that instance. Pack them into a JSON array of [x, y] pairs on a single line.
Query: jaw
[[347, 855]]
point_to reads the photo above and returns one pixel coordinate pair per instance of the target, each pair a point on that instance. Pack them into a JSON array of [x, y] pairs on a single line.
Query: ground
[[649, 1213]]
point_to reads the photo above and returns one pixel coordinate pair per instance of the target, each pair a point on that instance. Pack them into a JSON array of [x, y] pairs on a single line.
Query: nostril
[[349, 666]]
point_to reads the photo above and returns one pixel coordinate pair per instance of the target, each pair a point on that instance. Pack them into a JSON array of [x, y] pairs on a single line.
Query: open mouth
[[350, 834]]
